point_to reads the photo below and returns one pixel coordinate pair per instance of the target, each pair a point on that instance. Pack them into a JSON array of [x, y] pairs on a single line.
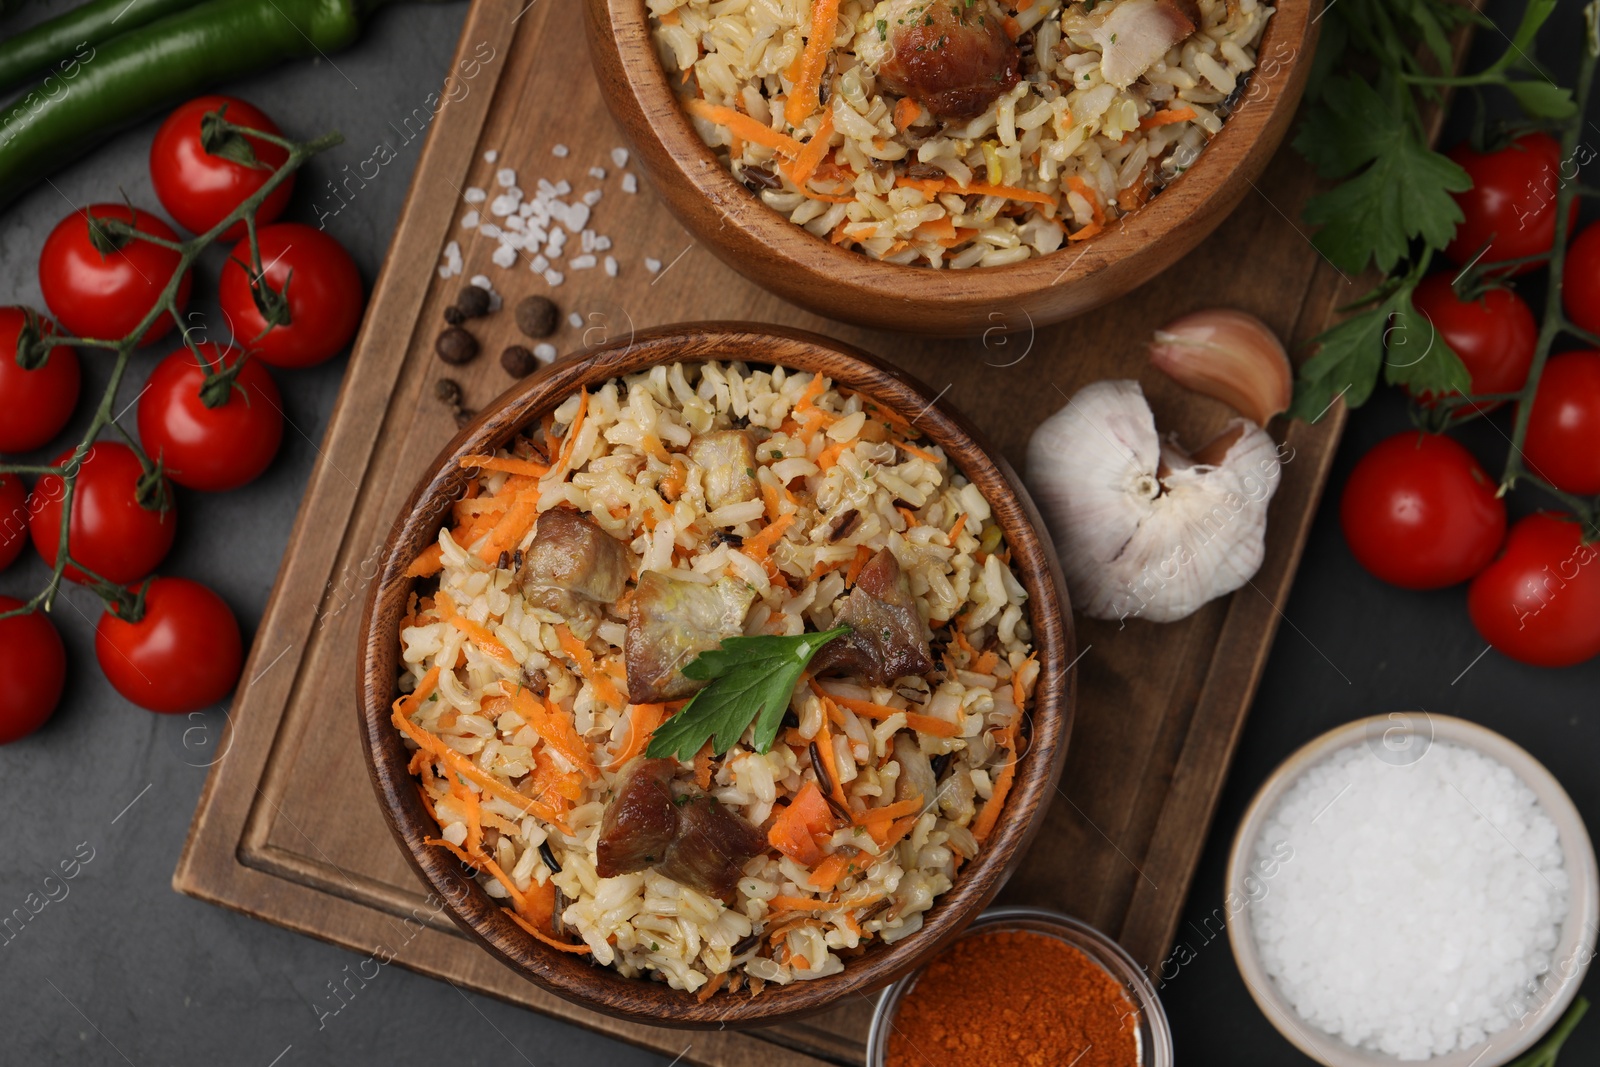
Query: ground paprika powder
[[1014, 999]]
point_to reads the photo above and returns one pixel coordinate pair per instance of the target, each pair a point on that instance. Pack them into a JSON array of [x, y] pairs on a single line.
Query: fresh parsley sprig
[[752, 679], [1393, 208]]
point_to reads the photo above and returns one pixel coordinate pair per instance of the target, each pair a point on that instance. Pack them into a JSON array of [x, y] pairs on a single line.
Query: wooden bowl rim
[[603, 989], [695, 164]]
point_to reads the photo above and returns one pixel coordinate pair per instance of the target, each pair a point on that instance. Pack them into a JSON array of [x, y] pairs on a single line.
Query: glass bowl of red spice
[[1023, 987]]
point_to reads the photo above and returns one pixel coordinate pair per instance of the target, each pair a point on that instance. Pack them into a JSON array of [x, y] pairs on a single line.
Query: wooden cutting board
[[288, 829]]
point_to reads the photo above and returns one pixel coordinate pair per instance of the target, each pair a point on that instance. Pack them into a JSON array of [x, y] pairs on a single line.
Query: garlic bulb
[[1143, 528], [1229, 356]]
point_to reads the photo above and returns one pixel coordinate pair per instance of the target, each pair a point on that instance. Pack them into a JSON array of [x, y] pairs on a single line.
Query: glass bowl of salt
[[1412, 888]]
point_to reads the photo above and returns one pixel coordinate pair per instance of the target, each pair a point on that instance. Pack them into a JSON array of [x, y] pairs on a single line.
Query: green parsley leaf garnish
[[883, 29], [752, 679]]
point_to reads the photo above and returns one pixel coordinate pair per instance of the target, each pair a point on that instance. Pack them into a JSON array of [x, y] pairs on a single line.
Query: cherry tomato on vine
[[1494, 335], [13, 519], [1511, 206], [1420, 513], [213, 437], [1539, 603], [33, 671], [1580, 280], [36, 403], [200, 188], [102, 287], [114, 533], [183, 654], [313, 276], [1563, 442]]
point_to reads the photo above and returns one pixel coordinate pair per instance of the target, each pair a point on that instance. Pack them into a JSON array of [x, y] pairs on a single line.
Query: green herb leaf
[[1417, 355], [1346, 364], [752, 679], [1403, 194], [1541, 99]]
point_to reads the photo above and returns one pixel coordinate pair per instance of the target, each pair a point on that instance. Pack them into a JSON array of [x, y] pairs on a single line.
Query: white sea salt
[[652, 265], [619, 157], [490, 156], [506, 177], [503, 256], [469, 221], [630, 183], [592, 197], [611, 266], [559, 151], [1422, 902], [554, 278], [544, 351], [474, 195], [575, 320]]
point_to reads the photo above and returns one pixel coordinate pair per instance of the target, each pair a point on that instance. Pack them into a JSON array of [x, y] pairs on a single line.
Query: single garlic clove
[[1229, 356], [1142, 527]]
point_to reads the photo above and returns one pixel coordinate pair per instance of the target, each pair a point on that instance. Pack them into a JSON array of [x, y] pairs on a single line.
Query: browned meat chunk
[[951, 56], [888, 638], [728, 458], [670, 623], [693, 840], [573, 564], [640, 820], [711, 848], [1135, 34]]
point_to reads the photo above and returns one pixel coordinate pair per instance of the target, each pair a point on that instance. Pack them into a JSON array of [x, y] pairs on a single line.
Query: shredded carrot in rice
[[476, 632], [926, 724], [805, 97], [805, 164], [702, 766], [906, 112], [563, 946], [1081, 187], [932, 187], [508, 464], [955, 531], [571, 440], [511, 529], [863, 554], [918, 452], [1087, 232], [429, 561], [643, 719], [761, 544], [986, 662], [604, 687], [555, 726], [751, 130], [1167, 117]]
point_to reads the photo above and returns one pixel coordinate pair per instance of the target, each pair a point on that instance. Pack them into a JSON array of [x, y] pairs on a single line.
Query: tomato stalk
[[33, 343]]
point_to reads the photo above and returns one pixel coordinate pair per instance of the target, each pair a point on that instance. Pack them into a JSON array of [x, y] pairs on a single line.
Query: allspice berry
[[537, 316], [473, 301], [456, 345], [453, 315], [518, 361], [447, 391]]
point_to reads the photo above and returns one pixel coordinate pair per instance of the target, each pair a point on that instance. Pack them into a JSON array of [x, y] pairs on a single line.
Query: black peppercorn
[[473, 301], [537, 316], [456, 345], [453, 316], [447, 391], [518, 361]]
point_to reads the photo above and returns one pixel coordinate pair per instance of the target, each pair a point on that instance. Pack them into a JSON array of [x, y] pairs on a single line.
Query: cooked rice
[[822, 452], [1061, 131]]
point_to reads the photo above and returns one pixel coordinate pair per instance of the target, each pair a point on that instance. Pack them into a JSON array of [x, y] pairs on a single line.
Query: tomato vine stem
[[105, 415]]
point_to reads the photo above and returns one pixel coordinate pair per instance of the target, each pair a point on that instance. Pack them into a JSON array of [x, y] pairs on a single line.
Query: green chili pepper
[[130, 76], [31, 51]]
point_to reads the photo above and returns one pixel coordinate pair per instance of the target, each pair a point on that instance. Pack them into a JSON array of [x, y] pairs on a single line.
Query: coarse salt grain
[[630, 183], [575, 320], [506, 177], [597, 173], [474, 195], [469, 221], [652, 265], [592, 197], [490, 156], [503, 256], [611, 266], [544, 351], [602, 243], [1412, 907], [559, 151], [554, 278], [539, 264], [481, 281], [583, 262]]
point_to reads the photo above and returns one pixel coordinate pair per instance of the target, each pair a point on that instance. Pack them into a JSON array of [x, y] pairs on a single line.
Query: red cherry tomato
[[1563, 442], [112, 534], [36, 403], [1511, 206], [104, 294], [322, 286], [1420, 513], [213, 449], [13, 519], [1494, 335], [182, 655], [1580, 280], [33, 671], [200, 189], [1540, 601]]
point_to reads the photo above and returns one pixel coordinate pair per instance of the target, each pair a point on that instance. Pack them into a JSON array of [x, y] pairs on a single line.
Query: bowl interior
[[1404, 737], [847, 285], [1038, 769]]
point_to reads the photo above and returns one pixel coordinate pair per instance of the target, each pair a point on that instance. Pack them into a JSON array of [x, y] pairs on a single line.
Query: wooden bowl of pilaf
[[863, 191], [948, 858]]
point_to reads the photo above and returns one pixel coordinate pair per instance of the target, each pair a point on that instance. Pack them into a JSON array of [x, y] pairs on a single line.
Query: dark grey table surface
[[124, 970]]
